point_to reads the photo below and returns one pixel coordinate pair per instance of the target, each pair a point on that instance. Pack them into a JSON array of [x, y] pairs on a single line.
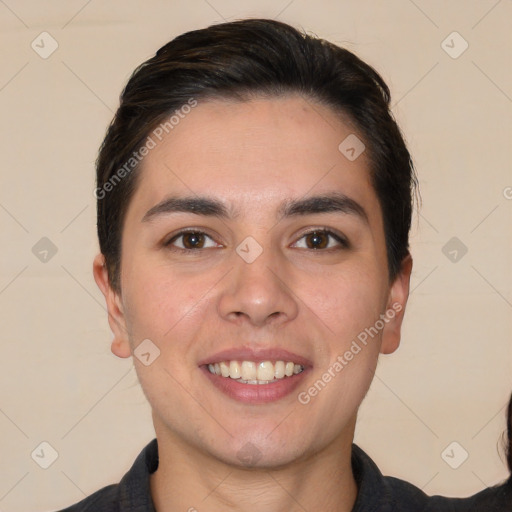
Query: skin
[[252, 156]]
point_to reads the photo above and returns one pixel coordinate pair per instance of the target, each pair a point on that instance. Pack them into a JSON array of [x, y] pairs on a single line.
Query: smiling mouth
[[250, 372]]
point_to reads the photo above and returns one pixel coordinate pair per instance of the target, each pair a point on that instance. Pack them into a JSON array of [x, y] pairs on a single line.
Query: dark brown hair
[[240, 60], [508, 441]]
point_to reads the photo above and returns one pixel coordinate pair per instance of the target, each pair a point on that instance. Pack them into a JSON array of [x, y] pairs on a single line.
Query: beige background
[[59, 382]]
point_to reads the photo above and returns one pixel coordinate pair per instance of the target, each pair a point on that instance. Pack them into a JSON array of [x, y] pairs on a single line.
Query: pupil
[[193, 240], [317, 240]]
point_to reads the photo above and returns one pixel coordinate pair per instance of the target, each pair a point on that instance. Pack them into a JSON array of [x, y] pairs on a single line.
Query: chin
[[261, 452]]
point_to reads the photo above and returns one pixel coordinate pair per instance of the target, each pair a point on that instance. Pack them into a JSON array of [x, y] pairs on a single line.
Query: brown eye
[[193, 240], [190, 241], [317, 240], [321, 239]]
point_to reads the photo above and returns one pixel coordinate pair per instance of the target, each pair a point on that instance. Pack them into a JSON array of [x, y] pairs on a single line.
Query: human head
[[240, 60], [262, 163]]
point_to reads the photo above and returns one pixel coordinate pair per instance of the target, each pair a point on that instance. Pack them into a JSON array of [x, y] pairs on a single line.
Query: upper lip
[[256, 355]]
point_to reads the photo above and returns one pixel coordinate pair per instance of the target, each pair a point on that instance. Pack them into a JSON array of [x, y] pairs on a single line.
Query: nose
[[258, 293]]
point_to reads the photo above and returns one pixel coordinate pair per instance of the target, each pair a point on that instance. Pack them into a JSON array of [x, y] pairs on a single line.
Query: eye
[[191, 240], [321, 239]]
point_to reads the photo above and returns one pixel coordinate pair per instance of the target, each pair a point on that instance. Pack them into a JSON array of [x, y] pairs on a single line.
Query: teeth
[[254, 381], [249, 372], [265, 371], [279, 369], [235, 372], [224, 369]]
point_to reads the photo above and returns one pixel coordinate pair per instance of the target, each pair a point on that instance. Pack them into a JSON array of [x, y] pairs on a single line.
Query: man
[[254, 203]]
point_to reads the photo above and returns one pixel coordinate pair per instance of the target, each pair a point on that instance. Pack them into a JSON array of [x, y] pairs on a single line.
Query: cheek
[[162, 305], [346, 301]]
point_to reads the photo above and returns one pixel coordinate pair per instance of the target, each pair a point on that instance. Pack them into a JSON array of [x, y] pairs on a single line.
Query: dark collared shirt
[[376, 493]]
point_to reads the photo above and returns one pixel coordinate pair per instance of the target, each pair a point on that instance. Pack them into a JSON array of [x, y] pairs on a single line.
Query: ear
[[395, 308], [120, 344]]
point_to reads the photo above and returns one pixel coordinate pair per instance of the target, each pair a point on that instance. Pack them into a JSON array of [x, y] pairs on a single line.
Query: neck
[[191, 480]]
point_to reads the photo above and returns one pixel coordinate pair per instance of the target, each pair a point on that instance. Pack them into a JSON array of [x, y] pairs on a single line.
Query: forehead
[[255, 152]]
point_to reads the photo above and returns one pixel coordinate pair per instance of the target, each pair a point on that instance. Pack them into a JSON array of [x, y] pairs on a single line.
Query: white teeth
[[224, 369], [265, 370], [249, 372], [279, 369], [235, 372], [254, 381]]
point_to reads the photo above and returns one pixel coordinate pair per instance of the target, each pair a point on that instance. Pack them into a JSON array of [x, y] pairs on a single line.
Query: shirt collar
[[134, 488], [375, 491]]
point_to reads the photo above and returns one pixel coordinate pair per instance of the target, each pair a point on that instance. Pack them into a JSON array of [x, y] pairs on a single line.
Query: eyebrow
[[209, 207], [334, 202], [199, 205]]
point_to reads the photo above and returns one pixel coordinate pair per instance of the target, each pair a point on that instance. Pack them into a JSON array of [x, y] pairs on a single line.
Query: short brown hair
[[238, 60]]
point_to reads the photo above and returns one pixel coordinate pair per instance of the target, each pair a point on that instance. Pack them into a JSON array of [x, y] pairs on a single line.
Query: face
[[254, 260]]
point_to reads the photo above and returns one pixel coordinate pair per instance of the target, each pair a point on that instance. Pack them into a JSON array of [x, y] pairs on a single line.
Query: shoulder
[[491, 499], [409, 497], [380, 493], [131, 493], [104, 500], [403, 496]]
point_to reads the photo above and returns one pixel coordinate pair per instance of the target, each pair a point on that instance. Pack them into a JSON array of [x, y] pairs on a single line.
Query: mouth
[[256, 377], [255, 373]]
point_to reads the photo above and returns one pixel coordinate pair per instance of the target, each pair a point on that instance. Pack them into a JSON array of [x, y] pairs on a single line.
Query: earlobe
[[116, 319], [395, 308]]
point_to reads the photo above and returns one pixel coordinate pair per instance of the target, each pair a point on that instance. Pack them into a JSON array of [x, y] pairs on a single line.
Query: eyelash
[[342, 241]]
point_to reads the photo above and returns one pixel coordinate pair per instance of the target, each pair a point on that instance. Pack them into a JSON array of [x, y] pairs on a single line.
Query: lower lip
[[255, 393]]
